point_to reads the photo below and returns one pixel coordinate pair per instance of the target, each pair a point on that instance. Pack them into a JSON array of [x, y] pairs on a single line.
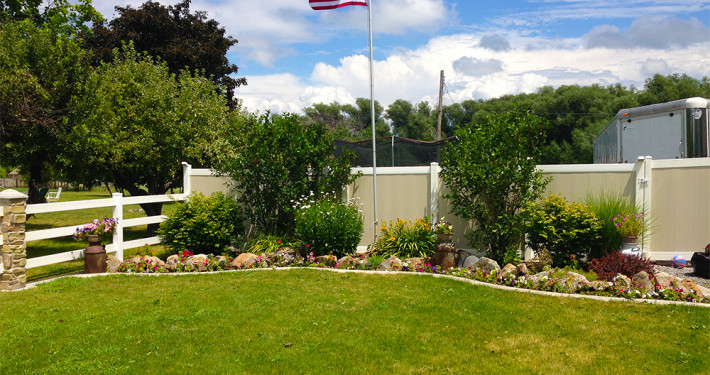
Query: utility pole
[[441, 101]]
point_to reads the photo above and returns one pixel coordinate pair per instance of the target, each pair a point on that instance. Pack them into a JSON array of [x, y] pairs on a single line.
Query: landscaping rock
[[507, 270], [643, 281], [156, 261], [665, 280], [461, 257], [171, 262], [521, 270], [221, 261], [538, 277], [390, 264], [600, 285], [286, 255], [486, 265], [574, 282], [623, 280], [469, 261], [112, 264], [415, 263], [704, 291], [244, 260], [328, 260], [689, 285]]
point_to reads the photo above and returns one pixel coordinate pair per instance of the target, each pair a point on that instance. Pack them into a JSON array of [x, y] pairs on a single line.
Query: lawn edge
[[32, 285]]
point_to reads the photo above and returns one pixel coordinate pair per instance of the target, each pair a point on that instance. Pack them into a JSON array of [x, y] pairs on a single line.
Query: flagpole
[[372, 118]]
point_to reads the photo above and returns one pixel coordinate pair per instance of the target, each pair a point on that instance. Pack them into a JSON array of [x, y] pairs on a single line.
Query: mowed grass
[[78, 218], [308, 321]]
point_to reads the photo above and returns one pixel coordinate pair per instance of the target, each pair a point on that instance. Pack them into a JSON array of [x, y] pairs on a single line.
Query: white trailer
[[672, 130]]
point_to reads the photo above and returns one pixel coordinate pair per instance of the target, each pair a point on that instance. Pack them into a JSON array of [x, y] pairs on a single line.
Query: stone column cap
[[12, 194]]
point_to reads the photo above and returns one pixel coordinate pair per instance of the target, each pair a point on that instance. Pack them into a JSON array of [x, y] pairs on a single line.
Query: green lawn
[[77, 217], [310, 321]]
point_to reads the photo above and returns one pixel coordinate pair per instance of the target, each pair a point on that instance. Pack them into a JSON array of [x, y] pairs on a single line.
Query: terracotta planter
[[94, 255]]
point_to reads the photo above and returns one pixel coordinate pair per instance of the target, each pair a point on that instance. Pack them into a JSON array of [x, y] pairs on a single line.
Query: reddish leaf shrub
[[611, 264]]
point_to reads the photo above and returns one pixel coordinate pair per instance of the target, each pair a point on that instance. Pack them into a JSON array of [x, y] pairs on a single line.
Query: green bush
[[203, 225], [274, 160], [327, 226], [492, 175], [405, 239], [567, 230]]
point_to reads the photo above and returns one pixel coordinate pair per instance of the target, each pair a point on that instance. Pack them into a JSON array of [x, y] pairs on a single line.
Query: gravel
[[686, 272]]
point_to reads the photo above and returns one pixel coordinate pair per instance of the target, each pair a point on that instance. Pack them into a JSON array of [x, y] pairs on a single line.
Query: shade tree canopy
[[180, 38]]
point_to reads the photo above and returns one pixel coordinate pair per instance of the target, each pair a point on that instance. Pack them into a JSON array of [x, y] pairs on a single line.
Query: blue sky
[[293, 56]]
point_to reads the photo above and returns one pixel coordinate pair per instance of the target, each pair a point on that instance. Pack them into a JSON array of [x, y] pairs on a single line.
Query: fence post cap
[[12, 194]]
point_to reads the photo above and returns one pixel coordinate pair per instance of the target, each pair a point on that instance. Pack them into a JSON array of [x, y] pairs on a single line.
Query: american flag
[[333, 4]]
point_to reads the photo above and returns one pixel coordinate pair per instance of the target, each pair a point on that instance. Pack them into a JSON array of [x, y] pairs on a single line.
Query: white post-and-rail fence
[[117, 201]]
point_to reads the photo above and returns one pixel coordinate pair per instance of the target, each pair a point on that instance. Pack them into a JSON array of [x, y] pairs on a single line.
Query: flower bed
[[643, 285]]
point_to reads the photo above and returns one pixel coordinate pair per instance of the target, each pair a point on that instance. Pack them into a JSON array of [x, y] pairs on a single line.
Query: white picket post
[[186, 170], [118, 234]]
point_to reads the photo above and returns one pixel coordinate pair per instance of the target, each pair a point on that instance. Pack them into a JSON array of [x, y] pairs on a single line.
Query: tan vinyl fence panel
[[680, 207], [673, 193]]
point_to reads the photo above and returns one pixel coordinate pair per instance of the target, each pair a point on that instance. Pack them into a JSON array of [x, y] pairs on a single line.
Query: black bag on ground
[[701, 264]]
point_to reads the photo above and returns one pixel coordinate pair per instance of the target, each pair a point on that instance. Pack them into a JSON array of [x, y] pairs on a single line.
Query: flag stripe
[[334, 4]]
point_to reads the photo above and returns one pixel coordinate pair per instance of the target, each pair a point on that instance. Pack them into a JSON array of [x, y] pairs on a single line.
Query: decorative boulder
[[643, 281], [539, 277], [521, 270], [486, 265], [600, 285], [415, 263], [156, 261], [221, 261], [574, 281], [461, 257], [390, 264], [286, 255], [112, 264], [171, 262], [507, 270], [665, 280], [469, 261], [689, 285], [244, 260], [623, 280]]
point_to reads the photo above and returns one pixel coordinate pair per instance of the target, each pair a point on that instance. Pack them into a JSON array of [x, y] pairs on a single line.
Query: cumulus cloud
[[656, 32], [655, 66], [474, 67], [497, 43]]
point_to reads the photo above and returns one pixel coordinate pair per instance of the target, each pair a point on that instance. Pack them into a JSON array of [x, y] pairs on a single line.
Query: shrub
[[405, 239], [492, 175], [328, 226], [563, 228], [614, 263], [270, 243], [203, 225], [274, 160], [542, 260]]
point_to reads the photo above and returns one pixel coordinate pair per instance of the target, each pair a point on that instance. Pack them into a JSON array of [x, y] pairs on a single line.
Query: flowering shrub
[[328, 225], [443, 227], [103, 229], [630, 225], [562, 228], [405, 239], [612, 264]]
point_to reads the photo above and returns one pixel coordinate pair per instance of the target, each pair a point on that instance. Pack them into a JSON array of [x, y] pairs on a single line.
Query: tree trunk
[[34, 182], [152, 209]]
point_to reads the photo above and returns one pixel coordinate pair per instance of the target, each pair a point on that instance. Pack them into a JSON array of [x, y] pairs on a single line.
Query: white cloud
[[657, 32], [413, 75]]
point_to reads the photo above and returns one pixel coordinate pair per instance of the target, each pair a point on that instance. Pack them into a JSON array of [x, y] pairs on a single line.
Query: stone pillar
[[14, 252]]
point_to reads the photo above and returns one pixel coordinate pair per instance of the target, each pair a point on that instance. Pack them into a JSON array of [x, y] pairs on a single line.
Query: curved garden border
[[461, 279]]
